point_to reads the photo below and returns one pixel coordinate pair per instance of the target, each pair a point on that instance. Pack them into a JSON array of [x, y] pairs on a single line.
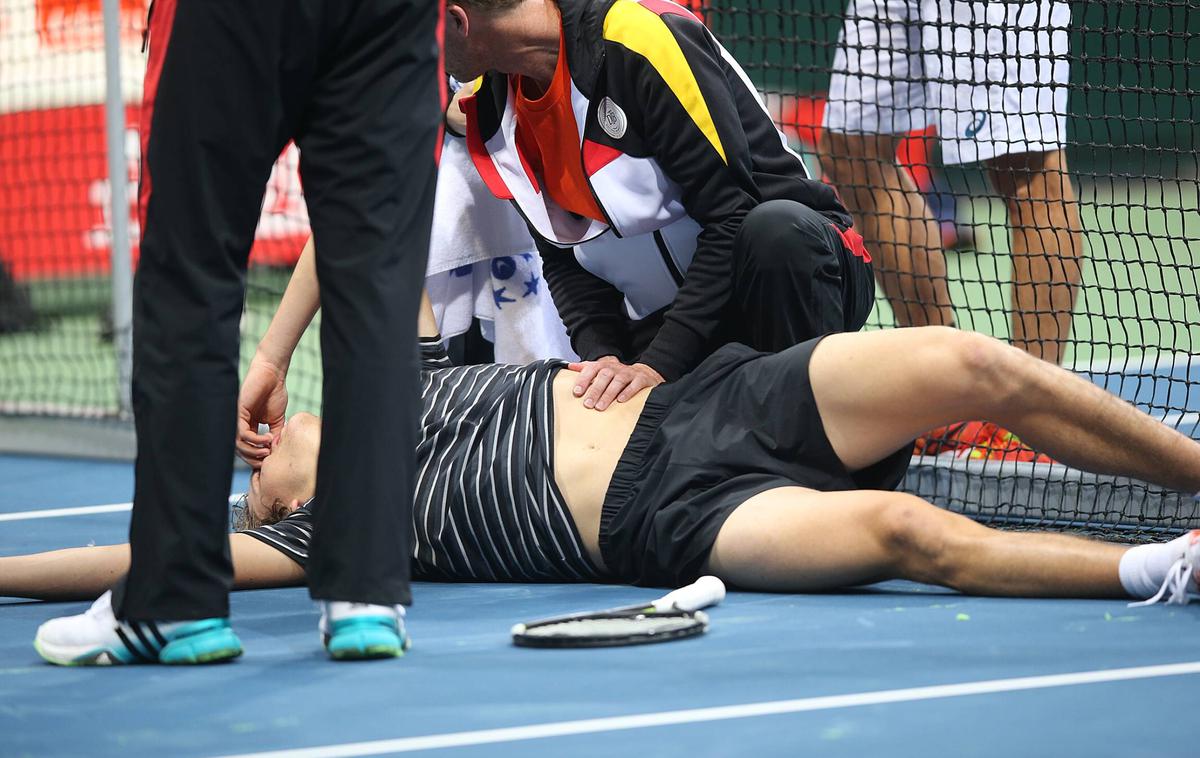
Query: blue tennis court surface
[[896, 669], [777, 654]]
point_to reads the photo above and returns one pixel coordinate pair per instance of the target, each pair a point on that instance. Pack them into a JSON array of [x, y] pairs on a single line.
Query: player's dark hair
[[243, 516]]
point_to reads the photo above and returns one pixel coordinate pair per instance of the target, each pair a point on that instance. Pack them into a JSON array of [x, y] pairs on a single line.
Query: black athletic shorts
[[741, 423]]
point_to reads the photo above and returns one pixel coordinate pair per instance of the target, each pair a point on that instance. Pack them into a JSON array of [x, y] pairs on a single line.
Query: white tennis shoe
[[97, 638], [1182, 584]]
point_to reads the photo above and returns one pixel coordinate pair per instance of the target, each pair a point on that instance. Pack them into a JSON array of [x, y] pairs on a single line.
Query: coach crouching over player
[[625, 131]]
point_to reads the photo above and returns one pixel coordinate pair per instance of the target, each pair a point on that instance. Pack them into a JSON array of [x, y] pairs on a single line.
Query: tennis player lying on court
[[771, 471]]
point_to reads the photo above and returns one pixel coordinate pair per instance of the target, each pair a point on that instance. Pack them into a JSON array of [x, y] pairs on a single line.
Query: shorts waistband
[[627, 475]]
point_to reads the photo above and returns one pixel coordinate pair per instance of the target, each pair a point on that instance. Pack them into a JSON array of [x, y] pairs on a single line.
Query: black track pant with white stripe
[[228, 84]]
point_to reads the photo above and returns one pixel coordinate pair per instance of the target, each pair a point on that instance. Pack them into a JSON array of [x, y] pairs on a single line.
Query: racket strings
[[616, 626]]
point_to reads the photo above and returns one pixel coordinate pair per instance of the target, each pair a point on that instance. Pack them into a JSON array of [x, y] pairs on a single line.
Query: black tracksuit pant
[[795, 276], [229, 82]]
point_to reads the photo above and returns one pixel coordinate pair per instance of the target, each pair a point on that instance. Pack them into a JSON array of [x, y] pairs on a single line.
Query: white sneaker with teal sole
[[358, 631], [97, 638]]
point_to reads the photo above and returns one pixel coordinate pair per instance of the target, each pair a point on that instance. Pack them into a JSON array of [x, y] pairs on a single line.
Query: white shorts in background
[[991, 76]]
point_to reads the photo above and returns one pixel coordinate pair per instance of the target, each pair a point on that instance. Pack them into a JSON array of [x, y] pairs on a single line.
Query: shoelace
[[1176, 583]]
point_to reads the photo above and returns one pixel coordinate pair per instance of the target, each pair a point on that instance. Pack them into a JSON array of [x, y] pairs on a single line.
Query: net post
[[118, 198]]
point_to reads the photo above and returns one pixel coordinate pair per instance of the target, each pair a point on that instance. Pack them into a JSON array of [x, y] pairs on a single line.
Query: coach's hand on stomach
[[606, 379], [262, 400]]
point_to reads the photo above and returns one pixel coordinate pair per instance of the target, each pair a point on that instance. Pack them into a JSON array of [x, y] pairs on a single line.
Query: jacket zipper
[[668, 261]]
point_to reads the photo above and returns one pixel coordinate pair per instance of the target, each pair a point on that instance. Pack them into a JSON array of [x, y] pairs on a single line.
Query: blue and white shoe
[[97, 638], [357, 631]]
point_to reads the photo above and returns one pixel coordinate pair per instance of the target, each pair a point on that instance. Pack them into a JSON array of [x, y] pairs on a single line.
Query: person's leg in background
[[1047, 248], [1002, 101], [916, 154], [368, 160], [876, 96]]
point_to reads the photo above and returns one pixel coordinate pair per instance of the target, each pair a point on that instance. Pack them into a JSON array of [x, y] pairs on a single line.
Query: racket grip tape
[[705, 591]]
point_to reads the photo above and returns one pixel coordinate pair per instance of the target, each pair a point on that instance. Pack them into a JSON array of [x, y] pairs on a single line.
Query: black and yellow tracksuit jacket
[[677, 148]]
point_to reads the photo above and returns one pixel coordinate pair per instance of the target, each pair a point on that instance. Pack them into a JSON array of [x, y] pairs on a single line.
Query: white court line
[[82, 510], [725, 712]]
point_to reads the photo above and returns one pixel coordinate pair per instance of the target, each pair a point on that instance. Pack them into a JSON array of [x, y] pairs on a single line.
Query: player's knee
[[987, 369], [918, 538], [905, 529]]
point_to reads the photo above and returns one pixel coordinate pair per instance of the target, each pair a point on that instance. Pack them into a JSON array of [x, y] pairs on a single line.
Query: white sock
[[343, 610], [1143, 568]]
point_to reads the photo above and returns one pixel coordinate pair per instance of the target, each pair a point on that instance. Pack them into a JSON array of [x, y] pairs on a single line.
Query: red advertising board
[[54, 187]]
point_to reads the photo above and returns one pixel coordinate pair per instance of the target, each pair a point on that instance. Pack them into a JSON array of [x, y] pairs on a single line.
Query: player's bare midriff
[[587, 446]]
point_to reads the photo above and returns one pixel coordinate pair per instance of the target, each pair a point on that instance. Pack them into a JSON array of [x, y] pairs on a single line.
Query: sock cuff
[[1135, 578], [1144, 567]]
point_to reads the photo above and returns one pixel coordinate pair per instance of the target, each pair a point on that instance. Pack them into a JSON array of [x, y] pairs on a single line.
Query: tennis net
[[1129, 73], [991, 199]]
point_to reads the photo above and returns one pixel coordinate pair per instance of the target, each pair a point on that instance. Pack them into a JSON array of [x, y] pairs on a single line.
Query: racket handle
[[705, 591]]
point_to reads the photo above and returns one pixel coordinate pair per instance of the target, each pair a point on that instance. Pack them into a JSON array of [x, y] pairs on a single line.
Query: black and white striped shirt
[[486, 505]]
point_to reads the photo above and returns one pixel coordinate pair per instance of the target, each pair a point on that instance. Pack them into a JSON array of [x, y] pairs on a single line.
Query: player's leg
[[1047, 248], [876, 390], [875, 97], [368, 163], [794, 539]]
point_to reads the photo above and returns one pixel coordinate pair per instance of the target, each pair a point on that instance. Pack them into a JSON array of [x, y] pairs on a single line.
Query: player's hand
[[604, 380], [456, 120], [262, 400]]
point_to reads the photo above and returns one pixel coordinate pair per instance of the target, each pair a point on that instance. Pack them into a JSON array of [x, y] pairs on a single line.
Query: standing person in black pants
[[228, 84]]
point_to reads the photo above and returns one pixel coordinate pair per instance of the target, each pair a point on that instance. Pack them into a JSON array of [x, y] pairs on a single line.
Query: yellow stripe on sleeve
[[644, 32]]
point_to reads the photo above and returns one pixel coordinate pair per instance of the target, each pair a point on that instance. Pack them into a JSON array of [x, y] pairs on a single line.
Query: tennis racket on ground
[[673, 616]]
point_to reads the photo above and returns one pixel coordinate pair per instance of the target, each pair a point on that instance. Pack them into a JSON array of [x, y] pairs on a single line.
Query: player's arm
[[299, 305], [263, 396], [432, 349], [455, 119], [84, 573]]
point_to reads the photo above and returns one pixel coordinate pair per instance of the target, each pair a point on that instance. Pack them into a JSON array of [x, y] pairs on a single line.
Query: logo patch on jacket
[[612, 118]]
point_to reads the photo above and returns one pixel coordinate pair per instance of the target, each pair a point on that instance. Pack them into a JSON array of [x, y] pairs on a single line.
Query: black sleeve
[[289, 536], [591, 308], [703, 147], [433, 353]]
